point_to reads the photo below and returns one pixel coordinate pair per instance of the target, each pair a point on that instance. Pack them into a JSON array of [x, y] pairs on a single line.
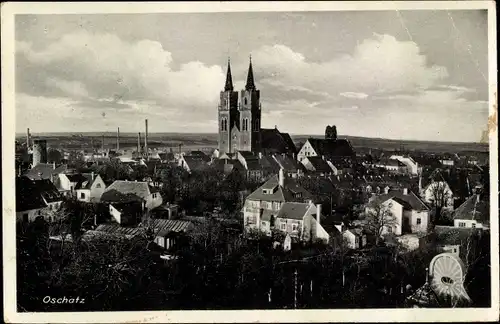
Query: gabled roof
[[87, 181], [247, 155], [293, 210], [195, 162], [410, 200], [165, 226], [272, 140], [126, 191], [45, 171], [32, 194], [473, 209], [331, 148], [75, 178], [319, 164], [269, 163], [291, 192], [288, 163]]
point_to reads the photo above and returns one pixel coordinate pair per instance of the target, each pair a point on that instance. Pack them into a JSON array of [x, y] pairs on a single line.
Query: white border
[[359, 315]]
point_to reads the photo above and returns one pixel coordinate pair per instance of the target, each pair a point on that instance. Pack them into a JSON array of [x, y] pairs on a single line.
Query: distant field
[[197, 141]]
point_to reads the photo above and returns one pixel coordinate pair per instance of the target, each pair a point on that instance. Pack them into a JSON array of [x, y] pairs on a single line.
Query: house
[[251, 164], [191, 163], [127, 213], [275, 142], [132, 191], [332, 149], [266, 201], [168, 231], [411, 214], [90, 188], [289, 165], [34, 198], [45, 171], [318, 165], [473, 213], [411, 165], [392, 165], [355, 238]]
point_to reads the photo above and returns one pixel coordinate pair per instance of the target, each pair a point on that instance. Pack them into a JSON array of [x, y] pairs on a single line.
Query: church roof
[[229, 78], [331, 148], [273, 141]]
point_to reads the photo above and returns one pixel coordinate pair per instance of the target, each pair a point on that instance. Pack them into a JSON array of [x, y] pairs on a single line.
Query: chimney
[[27, 138], [318, 213], [323, 157], [54, 165], [118, 140], [386, 190], [146, 140], [405, 191], [281, 178], [92, 175], [139, 143], [260, 155], [427, 275]]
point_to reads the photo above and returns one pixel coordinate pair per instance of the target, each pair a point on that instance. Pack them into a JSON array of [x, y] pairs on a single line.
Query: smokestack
[[146, 141], [27, 138], [102, 143], [139, 142], [405, 191], [281, 178], [92, 175], [118, 140]]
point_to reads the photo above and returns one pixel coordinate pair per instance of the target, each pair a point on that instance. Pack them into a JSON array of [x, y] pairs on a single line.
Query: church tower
[[228, 115], [249, 114]]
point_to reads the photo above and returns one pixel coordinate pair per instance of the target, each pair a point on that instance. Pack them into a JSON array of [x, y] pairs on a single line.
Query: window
[[295, 227], [283, 226], [246, 101], [461, 224], [98, 185], [473, 225], [389, 229], [419, 221], [82, 195]]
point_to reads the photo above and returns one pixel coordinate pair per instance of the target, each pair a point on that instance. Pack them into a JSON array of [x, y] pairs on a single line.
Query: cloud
[[356, 95], [103, 65]]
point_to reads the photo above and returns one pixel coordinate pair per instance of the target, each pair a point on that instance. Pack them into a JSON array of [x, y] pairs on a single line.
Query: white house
[[411, 214], [354, 238], [411, 165], [473, 213], [91, 188], [132, 191]]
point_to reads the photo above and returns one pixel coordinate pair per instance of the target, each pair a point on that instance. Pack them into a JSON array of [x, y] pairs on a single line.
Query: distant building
[[330, 148], [239, 122]]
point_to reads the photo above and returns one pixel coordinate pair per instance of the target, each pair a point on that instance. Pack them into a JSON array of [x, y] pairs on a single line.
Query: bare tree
[[379, 218], [440, 196]]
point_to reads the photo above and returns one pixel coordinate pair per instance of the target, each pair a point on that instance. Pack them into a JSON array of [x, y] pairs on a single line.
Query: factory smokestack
[[146, 141], [118, 140], [27, 138], [139, 143], [102, 143]]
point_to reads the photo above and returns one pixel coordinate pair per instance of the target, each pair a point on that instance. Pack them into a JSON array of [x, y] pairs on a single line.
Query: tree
[[379, 218], [440, 196], [54, 155]]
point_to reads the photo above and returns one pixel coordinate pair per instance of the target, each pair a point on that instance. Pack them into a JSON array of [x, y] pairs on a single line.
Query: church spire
[[250, 83], [229, 78]]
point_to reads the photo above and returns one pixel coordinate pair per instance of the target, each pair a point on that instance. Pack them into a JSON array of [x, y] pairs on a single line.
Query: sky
[[417, 74]]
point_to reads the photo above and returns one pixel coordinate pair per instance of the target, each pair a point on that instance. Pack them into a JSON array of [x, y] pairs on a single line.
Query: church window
[[246, 101]]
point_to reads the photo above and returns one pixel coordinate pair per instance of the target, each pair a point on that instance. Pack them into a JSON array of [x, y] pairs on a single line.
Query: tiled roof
[[293, 210], [288, 163], [410, 199], [451, 235], [195, 162], [269, 163], [473, 208], [290, 192], [87, 182], [30, 194], [44, 171], [331, 148], [273, 140], [253, 165], [164, 226], [319, 164], [118, 230], [126, 191]]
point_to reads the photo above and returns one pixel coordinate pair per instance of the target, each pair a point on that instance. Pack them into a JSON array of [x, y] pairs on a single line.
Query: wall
[[64, 182], [153, 202], [251, 209], [115, 214], [97, 189], [349, 239], [32, 215], [305, 151], [397, 212], [85, 192], [289, 223], [424, 225], [468, 223]]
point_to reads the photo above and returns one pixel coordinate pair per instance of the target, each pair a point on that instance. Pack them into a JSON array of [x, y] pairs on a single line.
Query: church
[[239, 116]]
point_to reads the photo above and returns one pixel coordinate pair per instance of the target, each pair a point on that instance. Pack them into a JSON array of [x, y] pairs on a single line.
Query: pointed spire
[[229, 78], [250, 82]]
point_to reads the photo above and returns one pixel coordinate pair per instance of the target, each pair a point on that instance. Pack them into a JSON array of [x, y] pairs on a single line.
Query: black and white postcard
[[250, 162]]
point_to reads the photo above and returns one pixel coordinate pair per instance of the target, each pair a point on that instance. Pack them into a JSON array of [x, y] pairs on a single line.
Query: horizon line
[[291, 134]]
